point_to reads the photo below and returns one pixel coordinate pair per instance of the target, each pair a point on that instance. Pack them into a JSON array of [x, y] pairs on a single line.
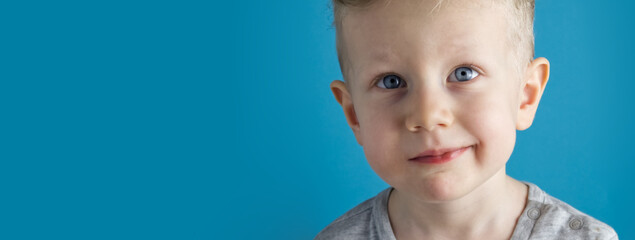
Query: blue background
[[214, 120]]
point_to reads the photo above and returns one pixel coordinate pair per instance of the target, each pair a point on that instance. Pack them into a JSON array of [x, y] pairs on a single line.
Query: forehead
[[421, 30]]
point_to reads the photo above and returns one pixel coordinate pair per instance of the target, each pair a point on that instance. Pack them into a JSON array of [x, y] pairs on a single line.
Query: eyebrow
[[382, 56], [457, 46], [452, 46], [386, 56], [374, 58]]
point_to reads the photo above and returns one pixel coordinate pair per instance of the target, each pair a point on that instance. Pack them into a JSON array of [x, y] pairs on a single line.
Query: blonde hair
[[520, 16]]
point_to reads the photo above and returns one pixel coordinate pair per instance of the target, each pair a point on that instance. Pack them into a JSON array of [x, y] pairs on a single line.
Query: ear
[[533, 86], [343, 97]]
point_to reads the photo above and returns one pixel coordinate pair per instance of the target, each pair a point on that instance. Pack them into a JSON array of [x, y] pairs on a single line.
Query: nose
[[428, 109]]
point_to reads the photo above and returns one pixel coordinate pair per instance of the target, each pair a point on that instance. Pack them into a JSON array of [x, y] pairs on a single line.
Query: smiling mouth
[[439, 156]]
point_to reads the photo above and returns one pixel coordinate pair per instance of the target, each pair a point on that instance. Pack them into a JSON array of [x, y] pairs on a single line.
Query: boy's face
[[455, 87]]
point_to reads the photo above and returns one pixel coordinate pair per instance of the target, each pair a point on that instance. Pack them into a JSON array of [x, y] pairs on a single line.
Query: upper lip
[[436, 152]]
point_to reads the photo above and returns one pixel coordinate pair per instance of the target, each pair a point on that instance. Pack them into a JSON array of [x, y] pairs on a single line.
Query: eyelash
[[469, 65]]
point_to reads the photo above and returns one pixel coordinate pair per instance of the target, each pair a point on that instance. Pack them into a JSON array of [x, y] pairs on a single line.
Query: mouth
[[438, 156]]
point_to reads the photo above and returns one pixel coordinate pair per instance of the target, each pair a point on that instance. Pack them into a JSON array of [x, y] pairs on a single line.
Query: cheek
[[380, 130], [378, 125], [492, 122]]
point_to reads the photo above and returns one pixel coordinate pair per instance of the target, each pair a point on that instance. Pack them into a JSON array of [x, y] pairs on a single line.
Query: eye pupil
[[391, 81], [464, 74]]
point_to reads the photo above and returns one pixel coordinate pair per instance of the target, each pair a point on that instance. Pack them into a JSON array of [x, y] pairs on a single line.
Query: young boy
[[434, 91]]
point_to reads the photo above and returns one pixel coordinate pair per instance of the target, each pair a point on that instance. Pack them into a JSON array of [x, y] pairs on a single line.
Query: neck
[[474, 216]]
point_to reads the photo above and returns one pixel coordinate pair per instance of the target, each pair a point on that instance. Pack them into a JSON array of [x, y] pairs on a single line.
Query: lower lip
[[443, 158]]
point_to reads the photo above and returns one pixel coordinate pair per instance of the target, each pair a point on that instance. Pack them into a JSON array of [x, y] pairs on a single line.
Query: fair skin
[[471, 196]]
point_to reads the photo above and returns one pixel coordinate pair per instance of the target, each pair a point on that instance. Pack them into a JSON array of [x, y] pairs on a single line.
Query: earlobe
[[533, 87], [343, 97]]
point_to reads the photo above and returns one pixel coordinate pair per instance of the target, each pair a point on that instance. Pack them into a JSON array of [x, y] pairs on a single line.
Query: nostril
[[415, 128]]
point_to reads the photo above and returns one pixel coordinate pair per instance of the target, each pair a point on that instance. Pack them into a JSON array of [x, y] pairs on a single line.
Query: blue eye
[[463, 74], [391, 82]]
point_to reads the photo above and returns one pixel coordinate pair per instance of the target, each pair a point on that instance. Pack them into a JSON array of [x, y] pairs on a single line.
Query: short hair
[[520, 16]]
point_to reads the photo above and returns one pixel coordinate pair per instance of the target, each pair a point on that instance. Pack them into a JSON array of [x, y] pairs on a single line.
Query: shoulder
[[555, 218], [356, 223]]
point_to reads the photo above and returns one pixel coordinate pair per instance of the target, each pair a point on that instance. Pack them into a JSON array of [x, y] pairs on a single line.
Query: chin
[[442, 190]]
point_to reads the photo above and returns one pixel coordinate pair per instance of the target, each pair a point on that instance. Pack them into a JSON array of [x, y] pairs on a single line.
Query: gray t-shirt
[[544, 217]]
